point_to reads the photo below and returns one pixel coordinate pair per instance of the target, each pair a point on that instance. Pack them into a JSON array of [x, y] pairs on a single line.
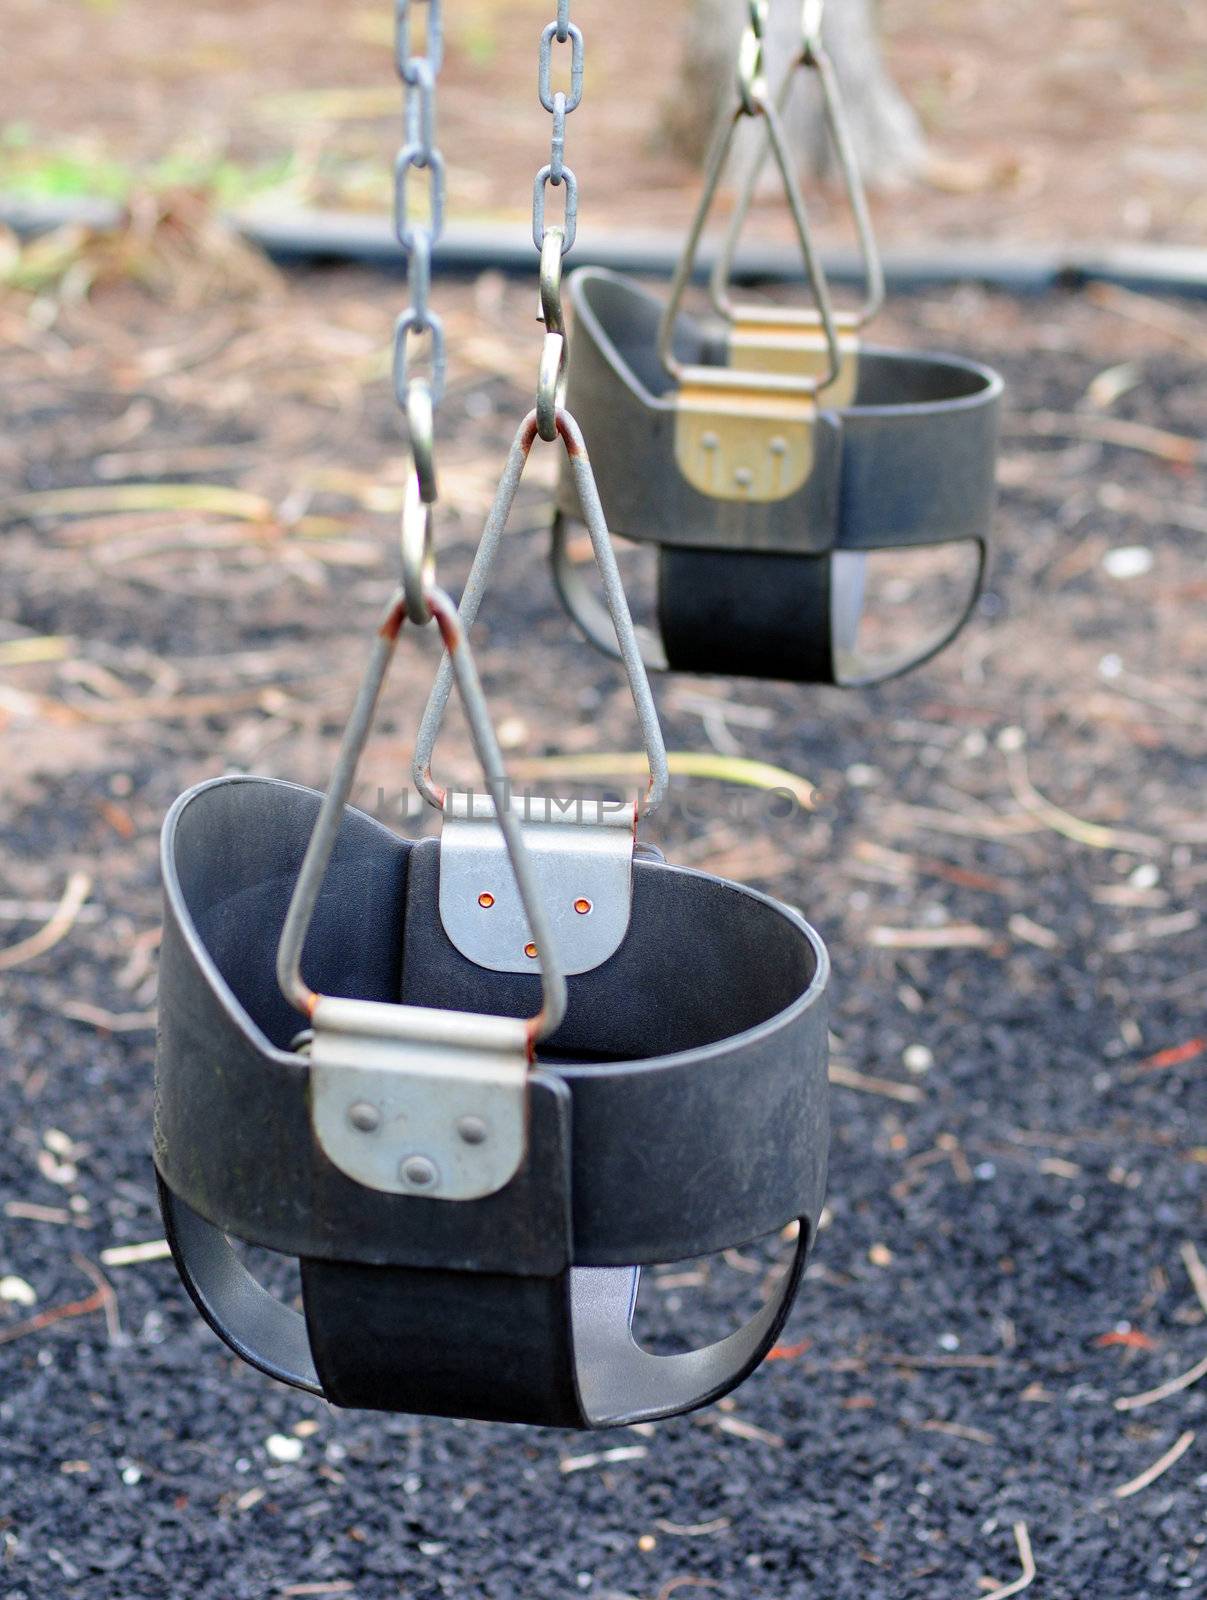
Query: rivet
[[582, 906], [471, 1130], [486, 900], [530, 951], [709, 441], [743, 477], [778, 446], [365, 1118], [419, 1172]]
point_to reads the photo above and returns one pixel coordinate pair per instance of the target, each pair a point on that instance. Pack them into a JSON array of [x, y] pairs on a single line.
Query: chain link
[[418, 386], [555, 239], [555, 173], [418, 154]]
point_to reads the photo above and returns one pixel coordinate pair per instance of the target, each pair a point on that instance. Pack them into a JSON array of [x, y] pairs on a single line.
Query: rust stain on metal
[[574, 447], [392, 626]]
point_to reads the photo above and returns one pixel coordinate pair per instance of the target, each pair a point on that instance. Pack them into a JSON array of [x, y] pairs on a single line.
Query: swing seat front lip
[[232, 1104]]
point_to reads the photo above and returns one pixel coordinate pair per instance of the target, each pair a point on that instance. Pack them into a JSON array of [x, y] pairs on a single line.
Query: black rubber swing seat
[[681, 1109], [773, 587]]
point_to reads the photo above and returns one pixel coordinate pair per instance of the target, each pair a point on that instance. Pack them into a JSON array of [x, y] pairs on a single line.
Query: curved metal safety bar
[[813, 57], [614, 1381], [753, 101], [620, 1383], [841, 591], [680, 1109], [625, 642], [772, 586], [322, 841]]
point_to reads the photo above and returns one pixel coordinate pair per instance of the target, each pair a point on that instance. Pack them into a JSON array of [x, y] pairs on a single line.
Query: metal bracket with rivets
[[581, 855]]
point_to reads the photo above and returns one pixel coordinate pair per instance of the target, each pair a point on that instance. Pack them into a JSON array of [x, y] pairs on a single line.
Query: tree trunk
[[885, 131]]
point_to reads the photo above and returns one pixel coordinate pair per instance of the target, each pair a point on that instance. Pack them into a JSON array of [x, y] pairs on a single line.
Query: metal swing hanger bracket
[[628, 647], [792, 340], [404, 1099], [747, 435], [812, 56], [581, 850], [582, 856], [407, 1100]]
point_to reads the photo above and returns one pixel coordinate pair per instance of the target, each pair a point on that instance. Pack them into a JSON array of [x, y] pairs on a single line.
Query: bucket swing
[[766, 453], [474, 1083]]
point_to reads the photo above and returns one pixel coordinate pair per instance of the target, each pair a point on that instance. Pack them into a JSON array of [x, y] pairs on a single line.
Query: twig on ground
[[682, 764], [997, 828], [133, 1255], [692, 1530], [108, 1296], [1180, 325], [1026, 1560], [27, 652], [79, 887], [958, 1431], [1137, 1402], [1195, 1271], [742, 1429], [942, 1363], [1179, 449], [168, 708], [109, 1021], [602, 1458], [899, 867], [1150, 932], [1034, 933], [1012, 743], [215, 498], [687, 1582], [1150, 1475], [27, 1211], [101, 1299], [1177, 1055], [956, 936], [847, 1078]]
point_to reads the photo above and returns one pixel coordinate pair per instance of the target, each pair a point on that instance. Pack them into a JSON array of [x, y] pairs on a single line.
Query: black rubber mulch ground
[[1004, 1255]]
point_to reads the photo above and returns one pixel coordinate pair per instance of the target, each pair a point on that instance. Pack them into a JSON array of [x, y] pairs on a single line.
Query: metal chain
[[555, 240], [550, 419], [418, 393], [555, 172]]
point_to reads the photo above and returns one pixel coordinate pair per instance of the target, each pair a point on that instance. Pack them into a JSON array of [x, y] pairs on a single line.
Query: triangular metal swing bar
[[755, 102], [626, 644], [812, 57], [461, 669]]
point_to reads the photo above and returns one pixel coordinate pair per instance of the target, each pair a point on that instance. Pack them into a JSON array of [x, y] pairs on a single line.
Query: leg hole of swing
[[890, 606], [279, 1275], [685, 1305], [638, 565]]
